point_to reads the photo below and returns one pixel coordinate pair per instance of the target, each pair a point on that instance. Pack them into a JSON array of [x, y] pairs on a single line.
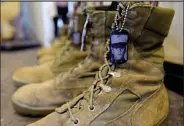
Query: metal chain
[[119, 16]]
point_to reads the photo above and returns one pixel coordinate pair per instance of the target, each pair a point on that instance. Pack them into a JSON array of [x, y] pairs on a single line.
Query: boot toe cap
[[25, 96], [33, 74], [23, 75]]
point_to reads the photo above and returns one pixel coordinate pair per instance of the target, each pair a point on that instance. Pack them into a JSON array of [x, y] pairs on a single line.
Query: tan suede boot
[[9, 11], [46, 71], [47, 54], [128, 94], [56, 45], [7, 31], [64, 87]]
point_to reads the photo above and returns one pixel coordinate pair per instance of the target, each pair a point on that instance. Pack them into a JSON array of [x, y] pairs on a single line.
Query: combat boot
[[9, 11], [53, 93], [47, 54], [67, 58], [56, 44], [130, 91]]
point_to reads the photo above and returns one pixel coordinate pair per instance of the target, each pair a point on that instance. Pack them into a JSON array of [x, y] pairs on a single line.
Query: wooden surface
[[10, 61]]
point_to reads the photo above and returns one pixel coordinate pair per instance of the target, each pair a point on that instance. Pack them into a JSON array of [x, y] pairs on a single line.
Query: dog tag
[[118, 47], [76, 38]]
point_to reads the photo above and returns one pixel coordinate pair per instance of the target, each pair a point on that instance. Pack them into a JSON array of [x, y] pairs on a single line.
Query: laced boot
[[9, 11], [56, 45], [131, 93], [68, 57], [55, 92], [47, 54]]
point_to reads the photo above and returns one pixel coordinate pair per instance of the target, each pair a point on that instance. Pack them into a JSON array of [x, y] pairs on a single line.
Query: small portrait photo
[[118, 51], [118, 48], [76, 38]]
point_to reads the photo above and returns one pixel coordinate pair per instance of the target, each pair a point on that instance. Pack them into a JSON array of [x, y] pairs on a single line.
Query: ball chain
[[122, 14]]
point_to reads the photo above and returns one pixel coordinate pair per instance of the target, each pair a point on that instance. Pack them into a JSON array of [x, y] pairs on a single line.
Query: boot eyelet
[[91, 108], [76, 121]]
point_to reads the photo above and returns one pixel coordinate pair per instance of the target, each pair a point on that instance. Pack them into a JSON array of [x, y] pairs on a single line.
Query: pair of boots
[[126, 94]]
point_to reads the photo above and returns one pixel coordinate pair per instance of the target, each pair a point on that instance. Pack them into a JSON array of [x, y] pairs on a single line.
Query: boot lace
[[97, 85]]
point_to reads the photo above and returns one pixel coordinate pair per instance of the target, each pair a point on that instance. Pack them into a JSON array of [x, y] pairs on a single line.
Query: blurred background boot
[[67, 57], [9, 11], [56, 45]]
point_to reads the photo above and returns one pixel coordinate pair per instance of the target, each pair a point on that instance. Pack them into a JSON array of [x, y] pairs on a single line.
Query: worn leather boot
[[64, 87], [67, 58], [47, 54], [9, 11], [56, 45], [127, 94]]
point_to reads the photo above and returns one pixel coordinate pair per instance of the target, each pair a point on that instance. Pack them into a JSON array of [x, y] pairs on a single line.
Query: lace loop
[[96, 85], [71, 115]]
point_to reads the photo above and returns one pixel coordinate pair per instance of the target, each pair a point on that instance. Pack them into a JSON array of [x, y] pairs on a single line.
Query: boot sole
[[31, 111], [18, 82]]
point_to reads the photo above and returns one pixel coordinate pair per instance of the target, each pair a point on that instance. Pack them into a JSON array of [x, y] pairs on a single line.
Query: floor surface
[[10, 61]]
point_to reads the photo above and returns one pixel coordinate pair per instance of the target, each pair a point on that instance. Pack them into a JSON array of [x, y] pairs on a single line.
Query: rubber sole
[[31, 111], [19, 83]]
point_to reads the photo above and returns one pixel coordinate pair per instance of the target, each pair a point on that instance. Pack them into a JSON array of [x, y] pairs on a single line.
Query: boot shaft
[[98, 32], [147, 30], [97, 48], [150, 42]]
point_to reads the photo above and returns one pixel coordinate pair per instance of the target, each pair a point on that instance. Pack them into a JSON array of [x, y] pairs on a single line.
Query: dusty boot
[[127, 94], [64, 87], [9, 11], [48, 54], [67, 58], [7, 31], [56, 45]]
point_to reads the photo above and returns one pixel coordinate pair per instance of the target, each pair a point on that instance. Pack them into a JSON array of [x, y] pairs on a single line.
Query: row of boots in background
[[110, 72], [9, 12]]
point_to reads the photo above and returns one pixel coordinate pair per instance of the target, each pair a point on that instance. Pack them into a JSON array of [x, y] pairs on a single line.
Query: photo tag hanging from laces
[[76, 34], [76, 38], [118, 46]]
